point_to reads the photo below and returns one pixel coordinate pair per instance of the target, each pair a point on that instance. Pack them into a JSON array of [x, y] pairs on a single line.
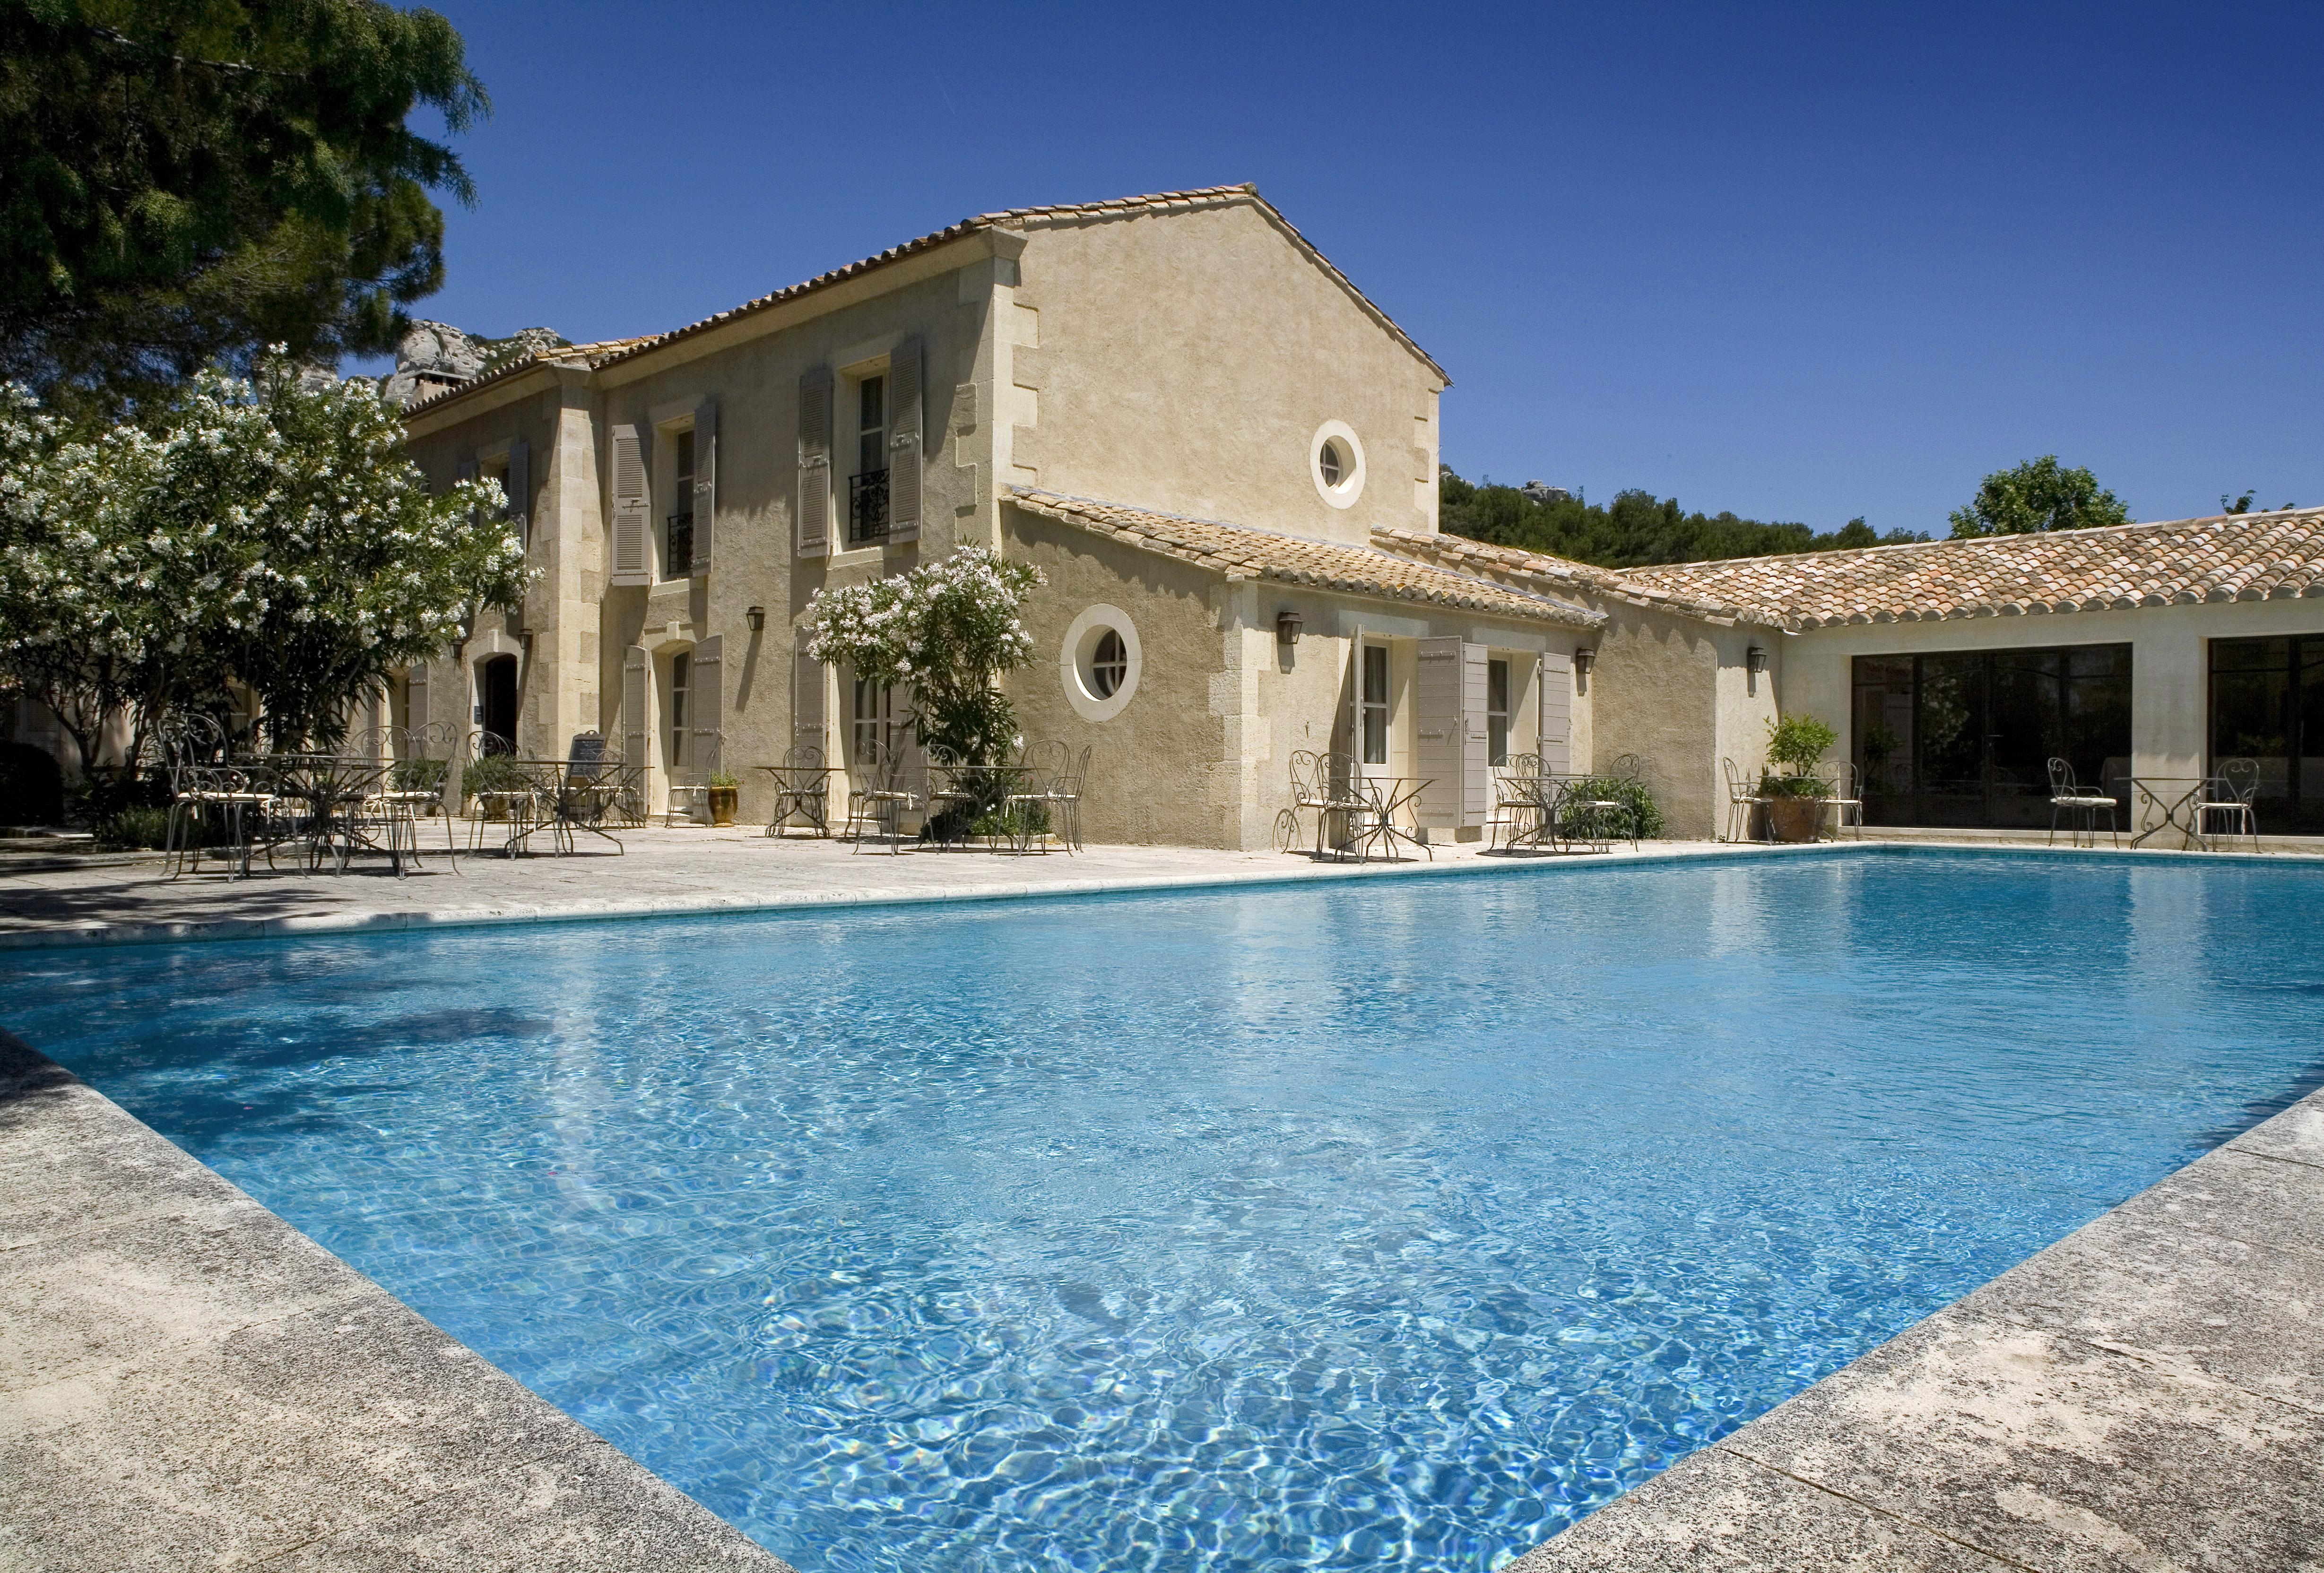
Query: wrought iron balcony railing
[[680, 536], [867, 507]]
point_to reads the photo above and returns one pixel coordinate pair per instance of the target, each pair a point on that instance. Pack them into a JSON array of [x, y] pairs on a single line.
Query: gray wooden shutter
[[1556, 713], [1438, 731], [633, 527], [706, 481], [415, 698], [704, 694], [815, 463], [1476, 735], [1355, 706], [636, 666], [806, 702], [520, 489], [905, 404]]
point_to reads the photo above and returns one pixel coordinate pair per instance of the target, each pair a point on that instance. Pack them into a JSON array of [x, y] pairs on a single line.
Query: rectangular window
[[1375, 704], [1966, 739], [499, 471], [677, 536], [2267, 706], [875, 716], [676, 760], [867, 489], [1497, 713]]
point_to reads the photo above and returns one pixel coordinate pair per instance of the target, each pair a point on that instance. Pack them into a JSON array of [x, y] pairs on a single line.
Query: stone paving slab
[[189, 1382], [682, 870], [2147, 1393]]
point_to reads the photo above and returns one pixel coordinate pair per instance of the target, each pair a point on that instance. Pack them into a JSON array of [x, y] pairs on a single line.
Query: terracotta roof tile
[[1009, 218], [1538, 571], [2238, 556], [1241, 552]]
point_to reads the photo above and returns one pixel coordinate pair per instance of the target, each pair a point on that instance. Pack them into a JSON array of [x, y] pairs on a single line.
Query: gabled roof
[[1013, 218], [2235, 556], [1240, 552], [1558, 576]]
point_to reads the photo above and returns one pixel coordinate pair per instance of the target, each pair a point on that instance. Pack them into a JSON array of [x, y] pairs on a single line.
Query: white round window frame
[[1352, 481], [1078, 653]]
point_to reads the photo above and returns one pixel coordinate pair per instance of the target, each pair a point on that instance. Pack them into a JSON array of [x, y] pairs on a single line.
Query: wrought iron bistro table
[[334, 789], [1385, 797], [566, 796], [804, 790], [990, 784], [2155, 793]]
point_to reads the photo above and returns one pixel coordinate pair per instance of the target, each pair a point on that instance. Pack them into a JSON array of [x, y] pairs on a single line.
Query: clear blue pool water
[[1391, 1224]]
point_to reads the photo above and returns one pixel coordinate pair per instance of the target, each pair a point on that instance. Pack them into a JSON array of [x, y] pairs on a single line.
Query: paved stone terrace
[[663, 870]]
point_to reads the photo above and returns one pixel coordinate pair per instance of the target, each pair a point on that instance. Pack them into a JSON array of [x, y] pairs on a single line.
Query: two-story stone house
[[1220, 452]]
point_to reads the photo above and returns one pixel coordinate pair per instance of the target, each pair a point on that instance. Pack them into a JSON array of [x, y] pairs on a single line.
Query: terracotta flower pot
[[1794, 819], [723, 800]]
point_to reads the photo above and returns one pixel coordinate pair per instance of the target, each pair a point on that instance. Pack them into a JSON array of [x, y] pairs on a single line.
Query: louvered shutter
[[706, 481], [1437, 731], [415, 698], [1476, 735], [815, 463], [636, 666], [806, 702], [1355, 706], [904, 442], [632, 528], [1556, 713], [704, 694], [520, 489]]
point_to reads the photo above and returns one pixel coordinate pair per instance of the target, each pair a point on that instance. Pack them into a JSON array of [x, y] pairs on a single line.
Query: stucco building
[[1223, 458], [1201, 432]]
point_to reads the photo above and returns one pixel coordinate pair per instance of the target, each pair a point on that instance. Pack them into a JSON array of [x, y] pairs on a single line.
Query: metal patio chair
[[1847, 797], [2080, 808], [1517, 802], [1743, 800], [2228, 796], [876, 795]]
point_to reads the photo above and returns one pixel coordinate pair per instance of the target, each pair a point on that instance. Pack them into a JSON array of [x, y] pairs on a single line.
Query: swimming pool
[[1395, 1223]]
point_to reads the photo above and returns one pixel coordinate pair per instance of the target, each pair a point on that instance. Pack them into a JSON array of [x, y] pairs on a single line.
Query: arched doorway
[[496, 696]]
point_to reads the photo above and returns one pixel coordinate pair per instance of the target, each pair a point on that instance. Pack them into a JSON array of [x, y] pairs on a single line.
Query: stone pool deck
[[188, 1382], [663, 871]]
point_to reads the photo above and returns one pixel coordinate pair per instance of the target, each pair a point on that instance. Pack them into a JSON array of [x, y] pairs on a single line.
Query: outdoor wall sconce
[[1583, 659], [526, 639], [1755, 659], [1287, 625], [758, 617]]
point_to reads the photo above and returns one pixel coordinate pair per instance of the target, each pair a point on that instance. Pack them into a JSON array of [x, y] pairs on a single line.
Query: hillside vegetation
[[1636, 531]]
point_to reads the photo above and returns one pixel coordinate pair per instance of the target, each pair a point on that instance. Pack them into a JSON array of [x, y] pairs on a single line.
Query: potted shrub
[[726, 792], [1797, 797]]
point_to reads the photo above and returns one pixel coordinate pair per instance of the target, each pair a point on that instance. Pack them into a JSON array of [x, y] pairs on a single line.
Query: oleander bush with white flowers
[[256, 532]]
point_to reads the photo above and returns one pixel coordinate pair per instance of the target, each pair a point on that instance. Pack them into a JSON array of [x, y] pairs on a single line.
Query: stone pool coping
[[2146, 1393], [188, 1380]]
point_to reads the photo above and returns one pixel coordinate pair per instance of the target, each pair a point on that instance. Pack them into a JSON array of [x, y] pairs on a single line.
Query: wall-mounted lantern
[[757, 618], [1583, 659], [525, 639], [1287, 625], [1755, 659]]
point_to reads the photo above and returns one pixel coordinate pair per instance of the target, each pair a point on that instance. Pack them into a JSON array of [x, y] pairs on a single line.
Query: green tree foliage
[[262, 533], [945, 632], [1636, 531], [2038, 495], [185, 181]]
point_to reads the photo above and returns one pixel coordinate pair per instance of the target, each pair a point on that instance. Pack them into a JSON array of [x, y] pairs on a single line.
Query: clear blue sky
[[1801, 263]]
